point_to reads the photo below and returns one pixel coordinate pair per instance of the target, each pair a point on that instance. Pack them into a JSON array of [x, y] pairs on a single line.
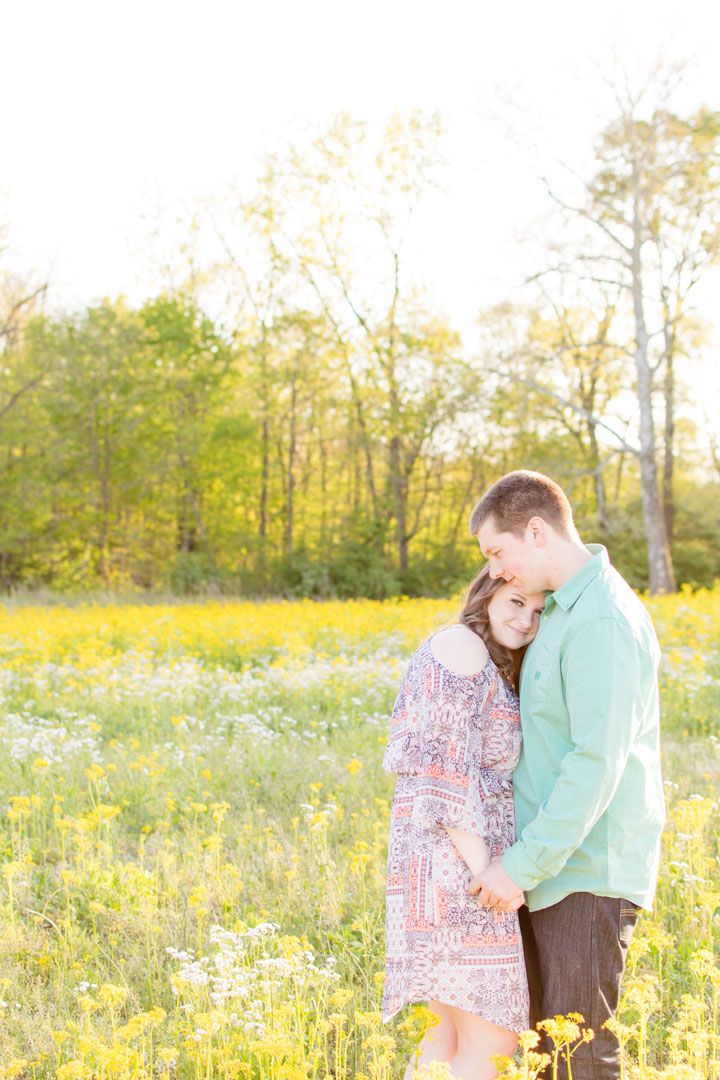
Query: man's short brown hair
[[518, 496]]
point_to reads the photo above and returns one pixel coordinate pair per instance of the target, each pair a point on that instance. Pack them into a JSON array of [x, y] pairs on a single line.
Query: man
[[588, 793]]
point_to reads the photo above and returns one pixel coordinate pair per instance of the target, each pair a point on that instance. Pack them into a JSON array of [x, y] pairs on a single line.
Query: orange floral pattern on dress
[[454, 742]]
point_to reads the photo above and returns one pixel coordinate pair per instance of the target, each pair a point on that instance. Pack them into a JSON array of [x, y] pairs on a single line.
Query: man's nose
[[495, 570]]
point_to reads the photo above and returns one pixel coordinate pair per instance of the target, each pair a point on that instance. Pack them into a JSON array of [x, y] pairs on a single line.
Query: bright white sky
[[112, 109]]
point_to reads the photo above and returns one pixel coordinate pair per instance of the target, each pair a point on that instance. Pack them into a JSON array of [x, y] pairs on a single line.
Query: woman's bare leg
[[439, 1043], [465, 1041], [478, 1042]]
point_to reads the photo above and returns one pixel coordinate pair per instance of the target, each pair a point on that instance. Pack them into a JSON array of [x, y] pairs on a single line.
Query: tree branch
[[532, 385]]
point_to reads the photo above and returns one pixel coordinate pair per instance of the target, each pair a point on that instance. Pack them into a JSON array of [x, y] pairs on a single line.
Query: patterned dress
[[454, 742]]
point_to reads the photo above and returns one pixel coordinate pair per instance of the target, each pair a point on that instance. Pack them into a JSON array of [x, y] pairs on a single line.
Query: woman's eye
[[517, 602]]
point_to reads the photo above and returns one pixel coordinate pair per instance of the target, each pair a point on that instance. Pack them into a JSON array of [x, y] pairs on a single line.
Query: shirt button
[[537, 674]]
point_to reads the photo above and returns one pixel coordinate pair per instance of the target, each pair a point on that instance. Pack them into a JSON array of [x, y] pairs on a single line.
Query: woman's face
[[514, 616]]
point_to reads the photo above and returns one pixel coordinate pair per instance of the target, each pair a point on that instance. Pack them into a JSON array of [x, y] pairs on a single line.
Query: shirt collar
[[568, 593]]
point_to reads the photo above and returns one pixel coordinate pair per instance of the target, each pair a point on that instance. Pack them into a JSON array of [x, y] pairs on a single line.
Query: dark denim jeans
[[575, 954]]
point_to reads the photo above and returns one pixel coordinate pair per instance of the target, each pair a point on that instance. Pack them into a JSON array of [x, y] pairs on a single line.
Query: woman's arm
[[431, 719], [472, 848]]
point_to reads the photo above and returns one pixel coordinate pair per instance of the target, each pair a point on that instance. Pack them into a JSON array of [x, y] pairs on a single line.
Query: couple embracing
[[528, 806]]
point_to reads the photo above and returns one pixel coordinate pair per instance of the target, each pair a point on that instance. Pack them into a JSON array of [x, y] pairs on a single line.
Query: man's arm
[[607, 703]]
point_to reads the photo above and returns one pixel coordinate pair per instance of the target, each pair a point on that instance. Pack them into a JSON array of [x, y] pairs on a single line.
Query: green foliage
[[696, 562], [326, 432], [150, 453], [696, 550], [191, 573]]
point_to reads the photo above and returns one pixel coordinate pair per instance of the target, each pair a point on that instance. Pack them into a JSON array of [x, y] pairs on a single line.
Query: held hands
[[495, 888]]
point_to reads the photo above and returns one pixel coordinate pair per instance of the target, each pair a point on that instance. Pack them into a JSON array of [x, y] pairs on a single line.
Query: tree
[[343, 206], [567, 378], [20, 302], [95, 405], [191, 367], [651, 212]]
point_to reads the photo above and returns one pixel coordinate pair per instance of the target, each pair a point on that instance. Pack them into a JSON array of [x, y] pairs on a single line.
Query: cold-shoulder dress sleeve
[[436, 744]]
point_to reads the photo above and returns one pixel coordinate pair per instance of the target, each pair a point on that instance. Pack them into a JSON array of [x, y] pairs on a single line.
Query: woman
[[454, 742]]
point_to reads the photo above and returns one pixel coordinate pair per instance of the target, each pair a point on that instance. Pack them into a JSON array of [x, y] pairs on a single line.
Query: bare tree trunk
[[264, 457], [193, 524], [369, 471], [265, 475], [290, 493], [660, 569], [399, 490], [669, 460], [601, 500], [324, 542], [597, 474], [105, 538], [477, 482], [199, 524], [100, 500]]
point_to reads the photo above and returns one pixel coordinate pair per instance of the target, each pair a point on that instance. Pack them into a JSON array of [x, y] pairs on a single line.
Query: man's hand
[[495, 888]]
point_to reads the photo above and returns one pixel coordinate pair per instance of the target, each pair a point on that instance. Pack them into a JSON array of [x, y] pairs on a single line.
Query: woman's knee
[[443, 1033], [478, 1036]]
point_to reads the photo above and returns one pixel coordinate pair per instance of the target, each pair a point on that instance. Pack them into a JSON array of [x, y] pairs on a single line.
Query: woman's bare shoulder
[[460, 650]]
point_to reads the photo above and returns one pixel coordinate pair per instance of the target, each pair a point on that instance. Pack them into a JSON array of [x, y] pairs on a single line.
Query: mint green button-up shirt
[[589, 805]]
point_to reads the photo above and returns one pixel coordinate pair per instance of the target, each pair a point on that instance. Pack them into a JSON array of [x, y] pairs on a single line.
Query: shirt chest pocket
[[536, 674]]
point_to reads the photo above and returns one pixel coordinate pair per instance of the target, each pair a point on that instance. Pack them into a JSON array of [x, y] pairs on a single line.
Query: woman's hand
[[495, 888]]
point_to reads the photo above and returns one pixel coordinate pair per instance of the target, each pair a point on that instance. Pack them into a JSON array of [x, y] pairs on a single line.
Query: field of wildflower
[[194, 826]]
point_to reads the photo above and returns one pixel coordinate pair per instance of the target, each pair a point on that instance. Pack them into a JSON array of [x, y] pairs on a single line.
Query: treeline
[[293, 416]]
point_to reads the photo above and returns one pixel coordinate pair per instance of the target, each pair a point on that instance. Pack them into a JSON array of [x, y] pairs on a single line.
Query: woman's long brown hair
[[474, 615]]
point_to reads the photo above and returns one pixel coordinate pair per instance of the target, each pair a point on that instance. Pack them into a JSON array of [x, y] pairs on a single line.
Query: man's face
[[518, 559]]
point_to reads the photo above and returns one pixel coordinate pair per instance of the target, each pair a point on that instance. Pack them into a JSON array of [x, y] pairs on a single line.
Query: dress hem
[[387, 1017]]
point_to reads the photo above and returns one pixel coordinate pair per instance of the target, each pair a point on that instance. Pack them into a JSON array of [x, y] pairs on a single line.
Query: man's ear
[[537, 529]]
